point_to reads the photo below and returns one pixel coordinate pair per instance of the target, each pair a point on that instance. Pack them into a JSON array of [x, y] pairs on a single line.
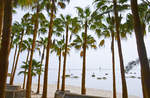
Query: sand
[[74, 89]]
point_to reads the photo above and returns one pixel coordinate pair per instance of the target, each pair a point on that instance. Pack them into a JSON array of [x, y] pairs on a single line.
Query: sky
[[95, 58]]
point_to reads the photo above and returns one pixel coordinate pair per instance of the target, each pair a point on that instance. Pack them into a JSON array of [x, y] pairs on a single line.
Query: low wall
[[14, 91], [68, 94]]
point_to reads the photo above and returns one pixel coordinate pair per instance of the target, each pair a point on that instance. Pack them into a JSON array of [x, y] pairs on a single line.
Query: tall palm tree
[[36, 24], [24, 80], [21, 29], [113, 66], [4, 51], [26, 45], [110, 29], [44, 94], [42, 42], [15, 37], [67, 22], [103, 9], [124, 86], [58, 47], [18, 28], [145, 70], [15, 42], [85, 20], [52, 9], [79, 43], [1, 16]]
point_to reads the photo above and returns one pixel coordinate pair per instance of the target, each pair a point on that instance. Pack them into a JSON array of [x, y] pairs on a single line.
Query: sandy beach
[[74, 89]]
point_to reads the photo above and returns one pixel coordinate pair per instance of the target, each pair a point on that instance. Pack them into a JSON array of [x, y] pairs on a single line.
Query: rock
[[75, 77], [99, 78], [132, 77], [106, 73], [93, 75], [104, 78]]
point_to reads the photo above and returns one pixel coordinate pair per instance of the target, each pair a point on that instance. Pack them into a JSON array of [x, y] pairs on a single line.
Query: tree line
[[65, 32]]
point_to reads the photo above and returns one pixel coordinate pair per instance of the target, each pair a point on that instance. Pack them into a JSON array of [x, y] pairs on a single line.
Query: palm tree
[[67, 22], [4, 51], [17, 28], [26, 45], [85, 20], [113, 66], [24, 80], [103, 9], [141, 50], [124, 86], [58, 47], [36, 24], [20, 29], [110, 29], [35, 68], [53, 4], [107, 29], [1, 16], [79, 43], [15, 42], [42, 42], [36, 19]]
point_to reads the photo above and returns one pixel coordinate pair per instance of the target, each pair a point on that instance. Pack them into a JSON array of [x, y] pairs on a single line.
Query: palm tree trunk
[[39, 76], [65, 59], [29, 79], [14, 71], [11, 42], [4, 51], [14, 60], [1, 16], [113, 66], [58, 80], [145, 70], [124, 86], [44, 95], [83, 88], [24, 80]]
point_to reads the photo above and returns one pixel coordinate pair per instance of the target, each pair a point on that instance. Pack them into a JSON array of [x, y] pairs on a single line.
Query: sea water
[[102, 80]]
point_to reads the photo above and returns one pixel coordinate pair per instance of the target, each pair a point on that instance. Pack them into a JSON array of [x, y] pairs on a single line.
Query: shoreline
[[75, 89]]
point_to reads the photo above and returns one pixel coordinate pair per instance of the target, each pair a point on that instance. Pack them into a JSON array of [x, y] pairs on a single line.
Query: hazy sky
[[95, 58]]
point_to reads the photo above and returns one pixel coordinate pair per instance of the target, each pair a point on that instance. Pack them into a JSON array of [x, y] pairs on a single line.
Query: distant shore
[[75, 89]]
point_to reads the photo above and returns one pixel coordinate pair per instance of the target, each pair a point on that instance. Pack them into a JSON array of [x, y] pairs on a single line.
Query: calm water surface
[[133, 84]]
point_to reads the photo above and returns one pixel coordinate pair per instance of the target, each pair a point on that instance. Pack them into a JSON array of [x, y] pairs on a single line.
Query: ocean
[[95, 78]]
